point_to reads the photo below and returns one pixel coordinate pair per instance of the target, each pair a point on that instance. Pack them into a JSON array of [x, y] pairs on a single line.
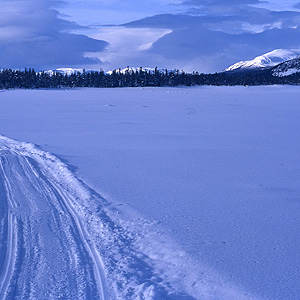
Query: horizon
[[267, 60], [165, 33]]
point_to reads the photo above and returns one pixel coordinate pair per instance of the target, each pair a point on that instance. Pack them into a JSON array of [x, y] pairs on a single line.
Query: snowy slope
[[64, 71], [267, 60], [215, 168], [69, 71], [130, 70], [287, 68], [133, 69]]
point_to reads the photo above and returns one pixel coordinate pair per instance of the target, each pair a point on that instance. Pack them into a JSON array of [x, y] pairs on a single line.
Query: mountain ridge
[[265, 61], [287, 68]]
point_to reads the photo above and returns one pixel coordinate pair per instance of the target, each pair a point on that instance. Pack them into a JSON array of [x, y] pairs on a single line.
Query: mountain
[[130, 70], [69, 71], [267, 60], [64, 71], [149, 70], [287, 68]]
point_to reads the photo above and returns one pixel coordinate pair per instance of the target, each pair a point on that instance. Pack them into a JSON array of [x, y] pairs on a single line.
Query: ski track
[[61, 240]]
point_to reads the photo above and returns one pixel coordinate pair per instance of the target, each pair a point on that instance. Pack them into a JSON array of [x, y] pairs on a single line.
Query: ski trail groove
[[48, 253], [59, 239], [11, 235]]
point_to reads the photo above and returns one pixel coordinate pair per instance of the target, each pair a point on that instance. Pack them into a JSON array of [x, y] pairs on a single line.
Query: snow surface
[[131, 70], [64, 71], [287, 68], [267, 60], [70, 71], [174, 193], [286, 73]]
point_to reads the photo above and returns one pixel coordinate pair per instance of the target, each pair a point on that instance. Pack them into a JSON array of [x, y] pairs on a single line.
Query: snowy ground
[[157, 193]]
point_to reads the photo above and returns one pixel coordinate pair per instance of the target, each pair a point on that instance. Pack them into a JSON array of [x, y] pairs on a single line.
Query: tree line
[[30, 79]]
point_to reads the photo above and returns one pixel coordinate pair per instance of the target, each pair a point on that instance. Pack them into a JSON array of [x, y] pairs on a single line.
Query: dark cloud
[[297, 5], [222, 49], [210, 35], [224, 22], [213, 39], [33, 35], [220, 2], [219, 6]]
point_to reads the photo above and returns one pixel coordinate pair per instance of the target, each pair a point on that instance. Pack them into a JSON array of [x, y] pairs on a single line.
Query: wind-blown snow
[[267, 60], [195, 190]]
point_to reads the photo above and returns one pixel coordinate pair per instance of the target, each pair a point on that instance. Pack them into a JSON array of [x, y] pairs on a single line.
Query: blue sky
[[204, 35]]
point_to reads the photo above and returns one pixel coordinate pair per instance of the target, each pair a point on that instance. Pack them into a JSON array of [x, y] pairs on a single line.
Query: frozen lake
[[214, 171]]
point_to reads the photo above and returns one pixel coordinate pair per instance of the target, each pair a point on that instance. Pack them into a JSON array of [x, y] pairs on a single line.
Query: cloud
[[297, 5], [128, 47], [207, 35], [209, 38], [115, 12], [218, 6], [219, 2], [33, 35]]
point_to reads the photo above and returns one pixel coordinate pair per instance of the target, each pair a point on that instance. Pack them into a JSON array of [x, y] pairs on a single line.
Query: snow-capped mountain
[[130, 70], [287, 68], [64, 71], [267, 60], [69, 71], [133, 69]]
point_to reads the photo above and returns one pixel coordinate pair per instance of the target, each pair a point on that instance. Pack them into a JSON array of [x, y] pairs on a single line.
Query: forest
[[30, 79]]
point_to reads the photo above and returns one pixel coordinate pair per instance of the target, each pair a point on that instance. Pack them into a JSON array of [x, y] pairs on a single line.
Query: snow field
[[215, 169]]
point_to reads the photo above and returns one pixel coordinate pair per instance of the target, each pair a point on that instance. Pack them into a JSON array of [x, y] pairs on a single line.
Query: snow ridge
[[61, 240], [267, 60], [131, 70], [70, 71], [287, 68], [63, 71]]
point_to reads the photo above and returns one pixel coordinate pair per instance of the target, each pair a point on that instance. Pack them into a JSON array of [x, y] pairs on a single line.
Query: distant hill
[[63, 71], [268, 69], [264, 61], [287, 68], [70, 71]]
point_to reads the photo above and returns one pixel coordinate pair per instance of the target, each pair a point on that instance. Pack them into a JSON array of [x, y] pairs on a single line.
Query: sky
[[199, 35]]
